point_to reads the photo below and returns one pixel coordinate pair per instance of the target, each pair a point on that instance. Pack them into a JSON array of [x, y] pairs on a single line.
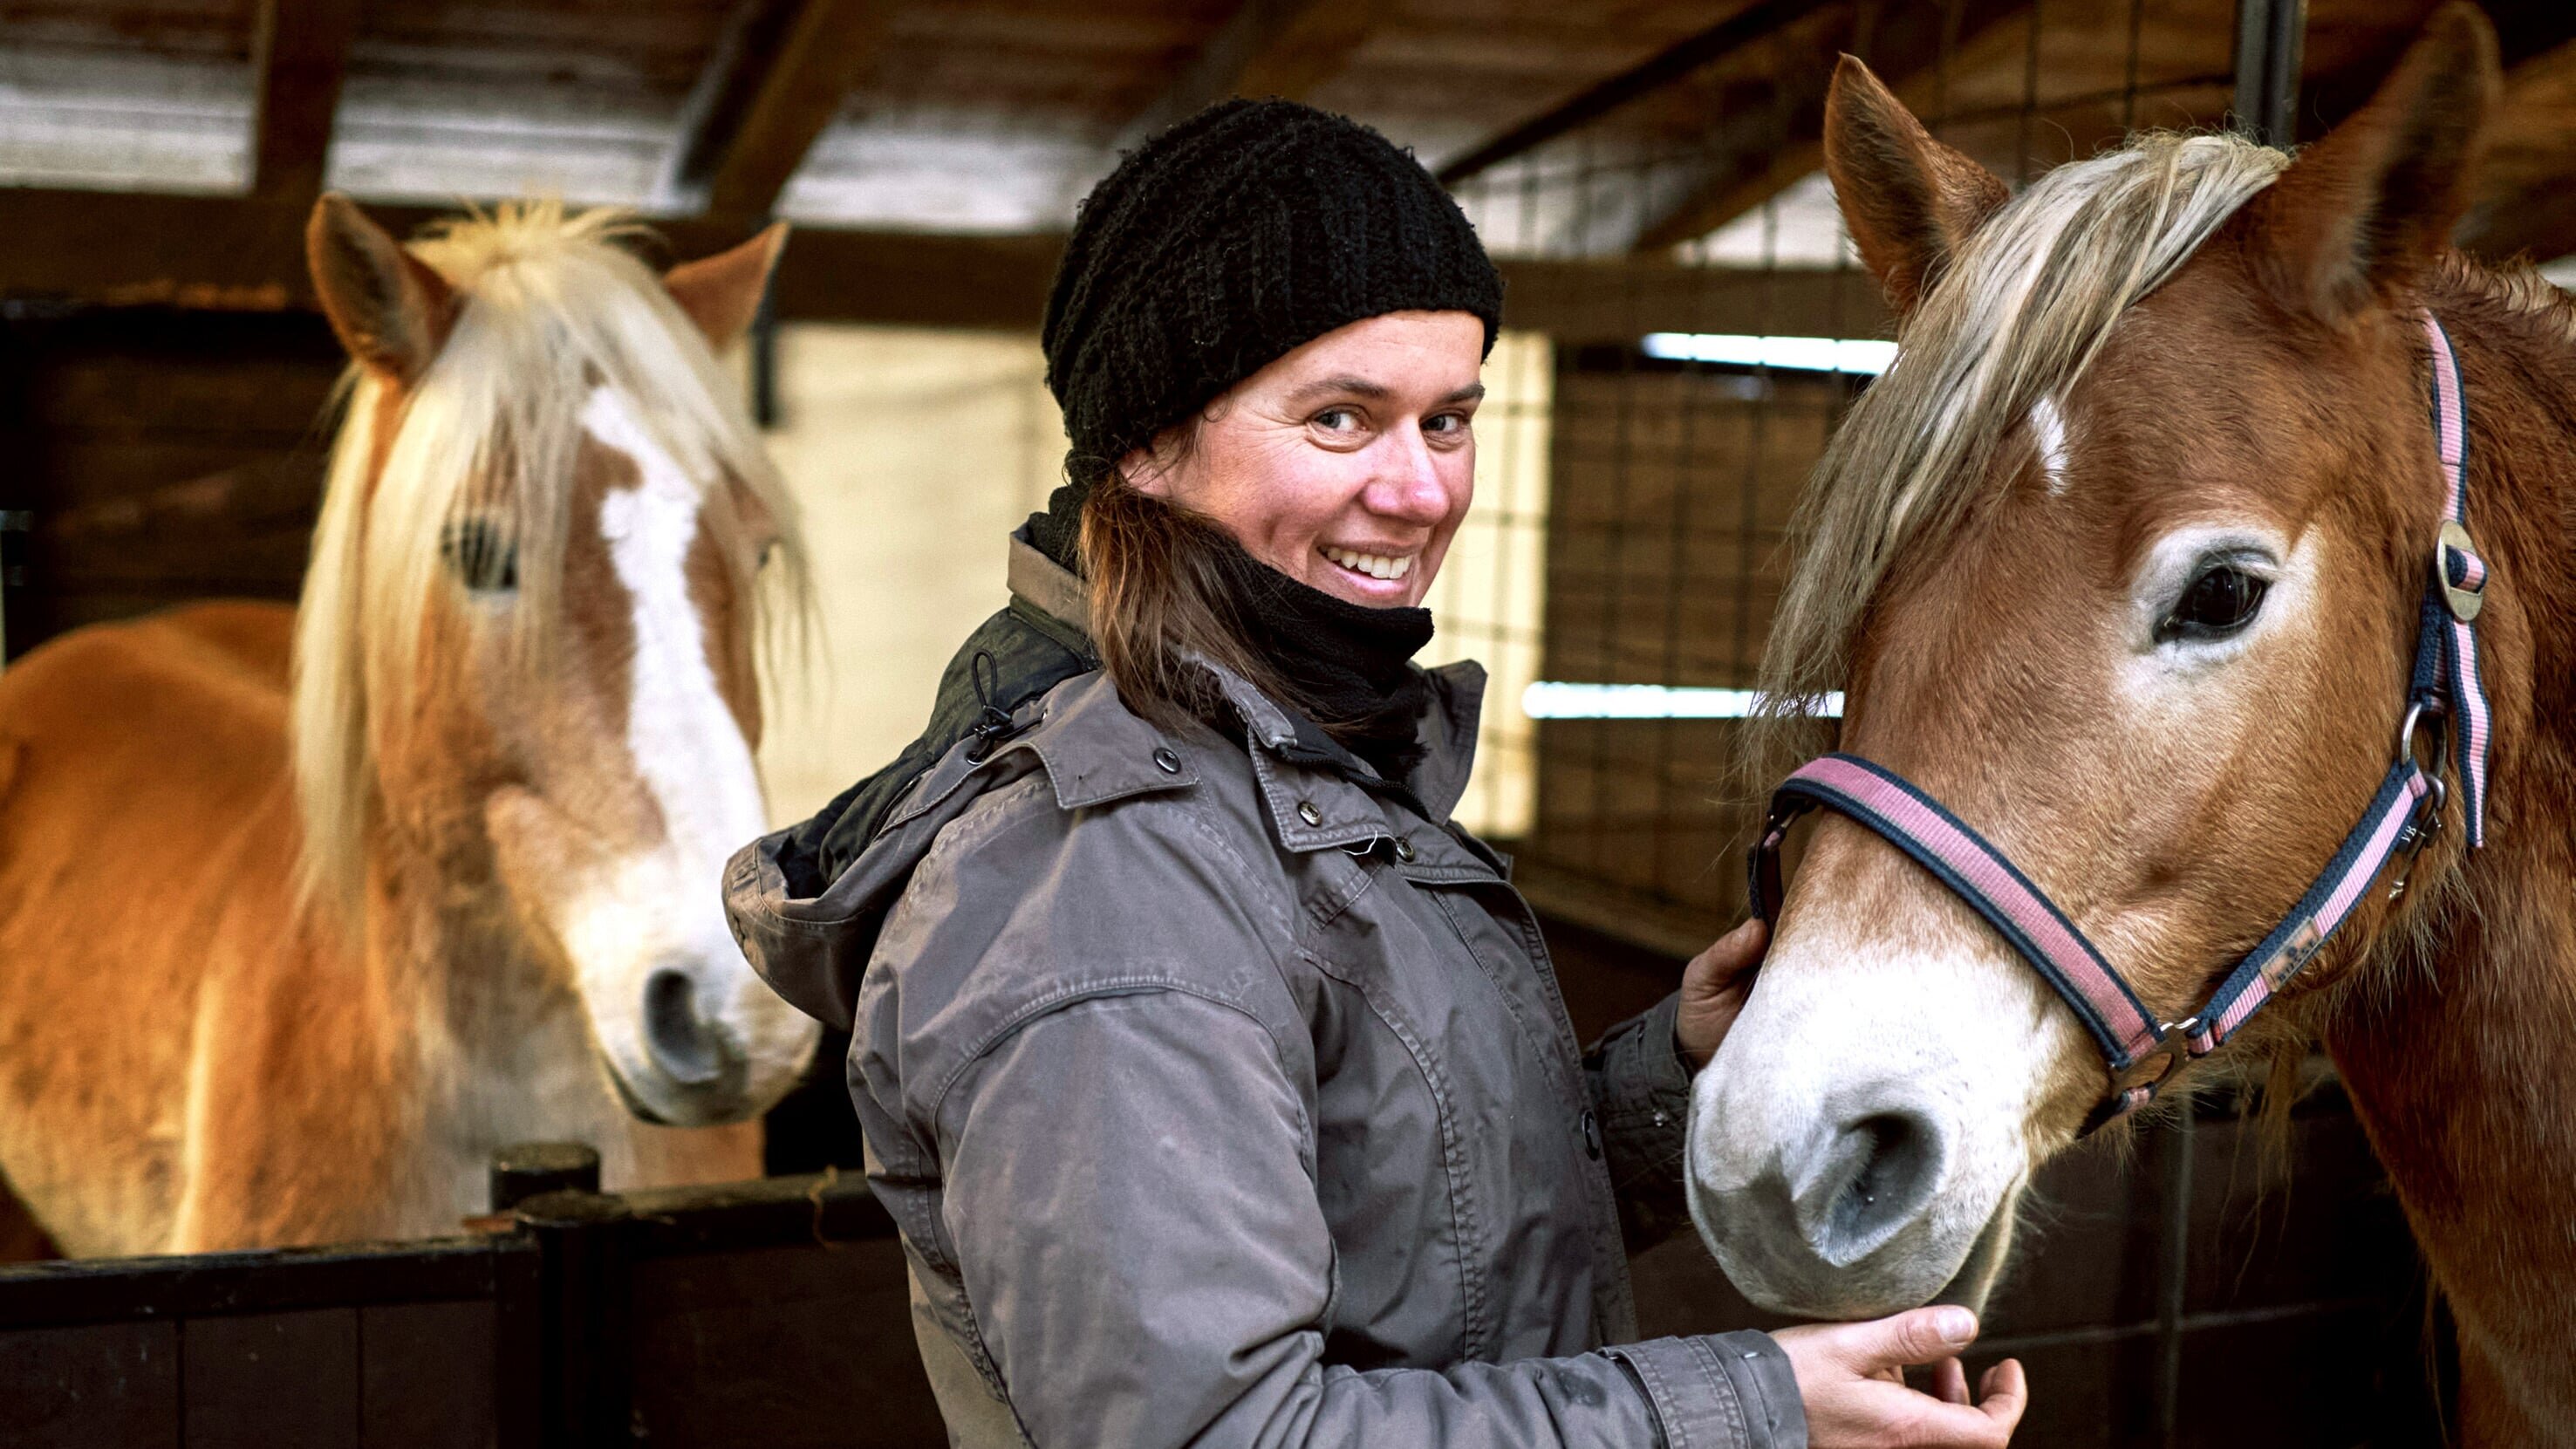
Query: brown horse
[[302, 914], [2122, 562]]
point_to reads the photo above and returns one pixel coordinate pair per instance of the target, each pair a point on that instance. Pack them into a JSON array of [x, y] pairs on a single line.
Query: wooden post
[[523, 1171], [587, 1356]]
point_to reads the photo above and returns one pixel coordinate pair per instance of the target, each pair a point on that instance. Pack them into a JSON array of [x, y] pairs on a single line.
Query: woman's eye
[[2220, 601], [483, 558]]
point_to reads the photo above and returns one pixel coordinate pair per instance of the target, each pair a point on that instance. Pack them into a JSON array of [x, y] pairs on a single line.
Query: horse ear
[[391, 310], [2358, 214], [1909, 200], [722, 293]]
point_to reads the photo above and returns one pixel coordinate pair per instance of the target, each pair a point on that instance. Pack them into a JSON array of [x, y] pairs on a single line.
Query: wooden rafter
[[299, 57], [245, 253], [1761, 150], [1752, 24], [1266, 48], [775, 83]]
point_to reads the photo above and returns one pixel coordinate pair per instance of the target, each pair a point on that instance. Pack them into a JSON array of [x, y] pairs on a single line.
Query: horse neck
[[2449, 1047]]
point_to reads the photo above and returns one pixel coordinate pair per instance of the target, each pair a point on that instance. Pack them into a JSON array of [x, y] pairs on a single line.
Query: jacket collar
[[1048, 586]]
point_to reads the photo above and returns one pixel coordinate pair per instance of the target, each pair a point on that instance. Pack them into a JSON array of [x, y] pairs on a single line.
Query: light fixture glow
[[1803, 354], [1555, 699]]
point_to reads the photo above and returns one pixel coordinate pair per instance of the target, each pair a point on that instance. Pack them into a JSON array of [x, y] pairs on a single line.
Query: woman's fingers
[[1714, 986], [1851, 1376], [1734, 953], [1922, 1336], [2003, 1393]]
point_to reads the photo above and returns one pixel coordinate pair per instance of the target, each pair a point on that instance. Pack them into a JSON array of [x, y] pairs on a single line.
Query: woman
[[1217, 1082]]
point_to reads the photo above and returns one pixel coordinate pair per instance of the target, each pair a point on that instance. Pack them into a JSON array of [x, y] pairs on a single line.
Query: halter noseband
[[2447, 691]]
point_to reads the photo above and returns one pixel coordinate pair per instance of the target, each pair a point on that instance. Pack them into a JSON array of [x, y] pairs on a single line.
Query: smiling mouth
[[1388, 567]]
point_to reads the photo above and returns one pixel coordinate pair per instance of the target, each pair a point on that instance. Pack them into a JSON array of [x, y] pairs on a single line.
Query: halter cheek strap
[[2446, 688]]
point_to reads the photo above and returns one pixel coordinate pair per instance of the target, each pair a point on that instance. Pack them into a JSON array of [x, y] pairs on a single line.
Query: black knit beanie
[[1224, 243]]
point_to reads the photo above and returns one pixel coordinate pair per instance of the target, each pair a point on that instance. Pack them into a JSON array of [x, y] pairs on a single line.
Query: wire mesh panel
[[1675, 237]]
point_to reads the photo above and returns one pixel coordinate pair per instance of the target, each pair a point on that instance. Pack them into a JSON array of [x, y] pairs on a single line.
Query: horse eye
[[480, 555], [2220, 601]]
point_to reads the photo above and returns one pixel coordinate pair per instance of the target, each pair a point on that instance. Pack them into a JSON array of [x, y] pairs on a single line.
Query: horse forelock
[[553, 310], [2008, 328]]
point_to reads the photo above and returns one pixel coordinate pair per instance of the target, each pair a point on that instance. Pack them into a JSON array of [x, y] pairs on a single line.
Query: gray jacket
[[1224, 1096]]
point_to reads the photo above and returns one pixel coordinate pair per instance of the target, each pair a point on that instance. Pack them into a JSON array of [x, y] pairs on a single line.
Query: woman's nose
[[1411, 485]]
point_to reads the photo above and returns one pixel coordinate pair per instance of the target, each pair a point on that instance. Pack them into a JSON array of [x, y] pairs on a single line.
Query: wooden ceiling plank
[[300, 59], [791, 91], [1283, 48], [1755, 156], [247, 253]]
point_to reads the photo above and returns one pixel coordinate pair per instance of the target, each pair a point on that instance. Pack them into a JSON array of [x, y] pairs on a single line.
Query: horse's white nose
[[1872, 1175], [1827, 1205], [692, 1052]]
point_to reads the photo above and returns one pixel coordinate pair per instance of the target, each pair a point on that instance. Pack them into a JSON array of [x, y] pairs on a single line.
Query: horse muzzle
[[686, 1068], [1845, 1214]]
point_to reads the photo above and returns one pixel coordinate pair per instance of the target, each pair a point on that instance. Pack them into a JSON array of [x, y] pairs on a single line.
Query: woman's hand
[[1851, 1376], [1714, 986]]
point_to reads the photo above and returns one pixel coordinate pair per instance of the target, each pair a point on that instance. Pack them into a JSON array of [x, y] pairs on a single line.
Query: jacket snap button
[[1166, 761], [1307, 812], [1591, 1135], [1404, 850]]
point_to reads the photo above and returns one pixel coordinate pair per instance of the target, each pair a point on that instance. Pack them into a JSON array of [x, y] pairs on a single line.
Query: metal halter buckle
[[2173, 1039]]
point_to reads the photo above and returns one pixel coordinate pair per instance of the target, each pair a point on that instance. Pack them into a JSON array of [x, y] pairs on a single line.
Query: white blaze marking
[[2048, 426], [663, 906], [686, 742]]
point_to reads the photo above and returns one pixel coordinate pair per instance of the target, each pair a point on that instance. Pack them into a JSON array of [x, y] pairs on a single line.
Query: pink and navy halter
[[2446, 692]]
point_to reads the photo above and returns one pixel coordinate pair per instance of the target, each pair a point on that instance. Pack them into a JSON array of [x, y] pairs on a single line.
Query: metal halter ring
[[2414, 720]]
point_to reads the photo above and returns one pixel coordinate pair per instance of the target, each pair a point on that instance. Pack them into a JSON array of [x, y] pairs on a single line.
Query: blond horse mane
[[2016, 318], [551, 307]]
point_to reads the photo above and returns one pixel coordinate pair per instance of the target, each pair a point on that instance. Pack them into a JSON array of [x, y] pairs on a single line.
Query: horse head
[[526, 696], [2122, 562]]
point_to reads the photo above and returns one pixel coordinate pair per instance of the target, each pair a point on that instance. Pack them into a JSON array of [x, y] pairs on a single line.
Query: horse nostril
[[683, 1044], [1896, 1157]]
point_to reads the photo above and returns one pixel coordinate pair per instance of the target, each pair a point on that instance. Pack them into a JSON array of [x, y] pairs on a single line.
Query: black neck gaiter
[[1056, 531], [1348, 666]]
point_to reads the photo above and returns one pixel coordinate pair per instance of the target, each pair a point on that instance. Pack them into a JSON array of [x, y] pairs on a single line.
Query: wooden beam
[[745, 55], [1750, 25], [781, 82], [216, 252], [1280, 48], [299, 58], [1757, 153], [245, 253]]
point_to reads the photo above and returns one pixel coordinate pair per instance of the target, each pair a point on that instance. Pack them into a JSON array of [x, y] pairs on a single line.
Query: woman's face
[[1348, 463]]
